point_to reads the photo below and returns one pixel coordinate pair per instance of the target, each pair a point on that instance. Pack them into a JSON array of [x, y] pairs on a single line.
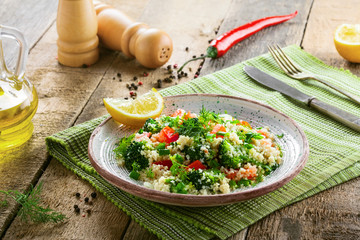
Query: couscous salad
[[200, 154]]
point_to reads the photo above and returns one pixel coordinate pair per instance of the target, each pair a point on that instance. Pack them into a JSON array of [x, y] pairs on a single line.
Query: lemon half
[[135, 112], [347, 42]]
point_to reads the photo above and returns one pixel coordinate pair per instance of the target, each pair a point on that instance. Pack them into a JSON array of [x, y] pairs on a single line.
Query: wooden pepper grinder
[[77, 28], [151, 47]]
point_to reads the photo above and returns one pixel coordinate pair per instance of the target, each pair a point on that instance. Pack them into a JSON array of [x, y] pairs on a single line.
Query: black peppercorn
[[77, 210], [113, 78], [135, 78], [194, 56], [119, 74], [185, 74], [169, 67], [186, 49], [93, 195], [86, 199], [76, 206], [77, 194], [159, 83], [126, 98]]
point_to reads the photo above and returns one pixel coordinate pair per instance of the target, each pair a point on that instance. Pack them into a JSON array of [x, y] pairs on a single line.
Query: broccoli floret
[[123, 145], [199, 179], [152, 126], [133, 154], [194, 153], [229, 155]]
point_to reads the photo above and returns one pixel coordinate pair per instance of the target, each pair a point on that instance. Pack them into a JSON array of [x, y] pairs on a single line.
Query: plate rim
[[199, 200]]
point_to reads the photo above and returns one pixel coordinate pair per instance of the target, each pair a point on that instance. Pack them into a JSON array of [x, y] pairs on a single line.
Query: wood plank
[[30, 18], [334, 213], [184, 27], [62, 94]]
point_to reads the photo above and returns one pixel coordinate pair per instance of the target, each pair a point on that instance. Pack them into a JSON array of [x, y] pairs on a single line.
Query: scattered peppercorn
[[77, 210], [131, 93], [146, 74], [186, 49], [196, 76], [169, 67], [120, 80], [126, 98], [210, 41], [175, 65], [140, 83], [77, 194], [93, 195], [128, 86], [168, 80], [194, 56], [132, 84], [83, 215], [88, 211], [119, 74], [113, 78], [76, 206], [86, 199], [159, 83], [135, 88], [179, 76], [135, 78], [185, 74]]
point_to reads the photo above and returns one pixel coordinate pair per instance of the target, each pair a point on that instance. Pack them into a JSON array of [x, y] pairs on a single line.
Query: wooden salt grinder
[[77, 28], [151, 47]]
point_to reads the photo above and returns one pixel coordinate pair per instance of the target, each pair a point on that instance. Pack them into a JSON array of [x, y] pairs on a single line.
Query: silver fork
[[293, 71]]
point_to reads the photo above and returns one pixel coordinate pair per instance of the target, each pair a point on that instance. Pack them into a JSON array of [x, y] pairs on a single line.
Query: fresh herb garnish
[[280, 136], [30, 209]]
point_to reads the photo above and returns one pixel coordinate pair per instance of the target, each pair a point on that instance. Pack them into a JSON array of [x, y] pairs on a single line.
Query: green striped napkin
[[334, 150]]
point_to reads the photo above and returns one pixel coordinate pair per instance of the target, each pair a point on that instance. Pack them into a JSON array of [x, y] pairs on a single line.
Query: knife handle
[[342, 116]]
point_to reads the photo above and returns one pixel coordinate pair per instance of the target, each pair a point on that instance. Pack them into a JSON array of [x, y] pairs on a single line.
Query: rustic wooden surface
[[70, 96]]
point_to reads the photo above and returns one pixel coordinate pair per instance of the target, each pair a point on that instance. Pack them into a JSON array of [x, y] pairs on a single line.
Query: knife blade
[[342, 116]]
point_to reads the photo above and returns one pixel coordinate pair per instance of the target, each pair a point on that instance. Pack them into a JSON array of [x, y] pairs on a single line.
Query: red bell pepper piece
[[245, 124], [180, 112], [218, 128], [196, 165], [168, 135], [167, 163]]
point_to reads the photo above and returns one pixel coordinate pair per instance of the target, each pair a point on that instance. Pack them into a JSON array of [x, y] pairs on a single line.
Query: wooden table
[[69, 96]]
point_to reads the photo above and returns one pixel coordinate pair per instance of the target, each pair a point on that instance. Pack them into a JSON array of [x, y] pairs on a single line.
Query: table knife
[[265, 79]]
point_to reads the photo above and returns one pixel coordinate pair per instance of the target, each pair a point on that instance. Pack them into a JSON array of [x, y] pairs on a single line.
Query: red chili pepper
[[219, 46]]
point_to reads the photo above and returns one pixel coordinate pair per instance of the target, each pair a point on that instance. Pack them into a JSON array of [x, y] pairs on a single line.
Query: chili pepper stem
[[191, 60]]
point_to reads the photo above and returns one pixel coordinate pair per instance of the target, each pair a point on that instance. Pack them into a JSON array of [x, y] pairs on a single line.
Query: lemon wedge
[[347, 42], [135, 112]]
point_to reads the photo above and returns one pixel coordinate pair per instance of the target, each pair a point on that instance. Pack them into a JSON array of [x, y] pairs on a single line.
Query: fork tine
[[278, 60], [289, 61], [283, 59]]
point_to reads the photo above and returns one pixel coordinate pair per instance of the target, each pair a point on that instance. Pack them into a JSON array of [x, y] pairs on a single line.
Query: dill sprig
[[30, 209]]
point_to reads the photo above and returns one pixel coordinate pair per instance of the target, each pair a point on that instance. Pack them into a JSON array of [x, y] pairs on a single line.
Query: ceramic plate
[[294, 145]]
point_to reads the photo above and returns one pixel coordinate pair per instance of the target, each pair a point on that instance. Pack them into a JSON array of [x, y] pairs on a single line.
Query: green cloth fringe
[[334, 150]]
